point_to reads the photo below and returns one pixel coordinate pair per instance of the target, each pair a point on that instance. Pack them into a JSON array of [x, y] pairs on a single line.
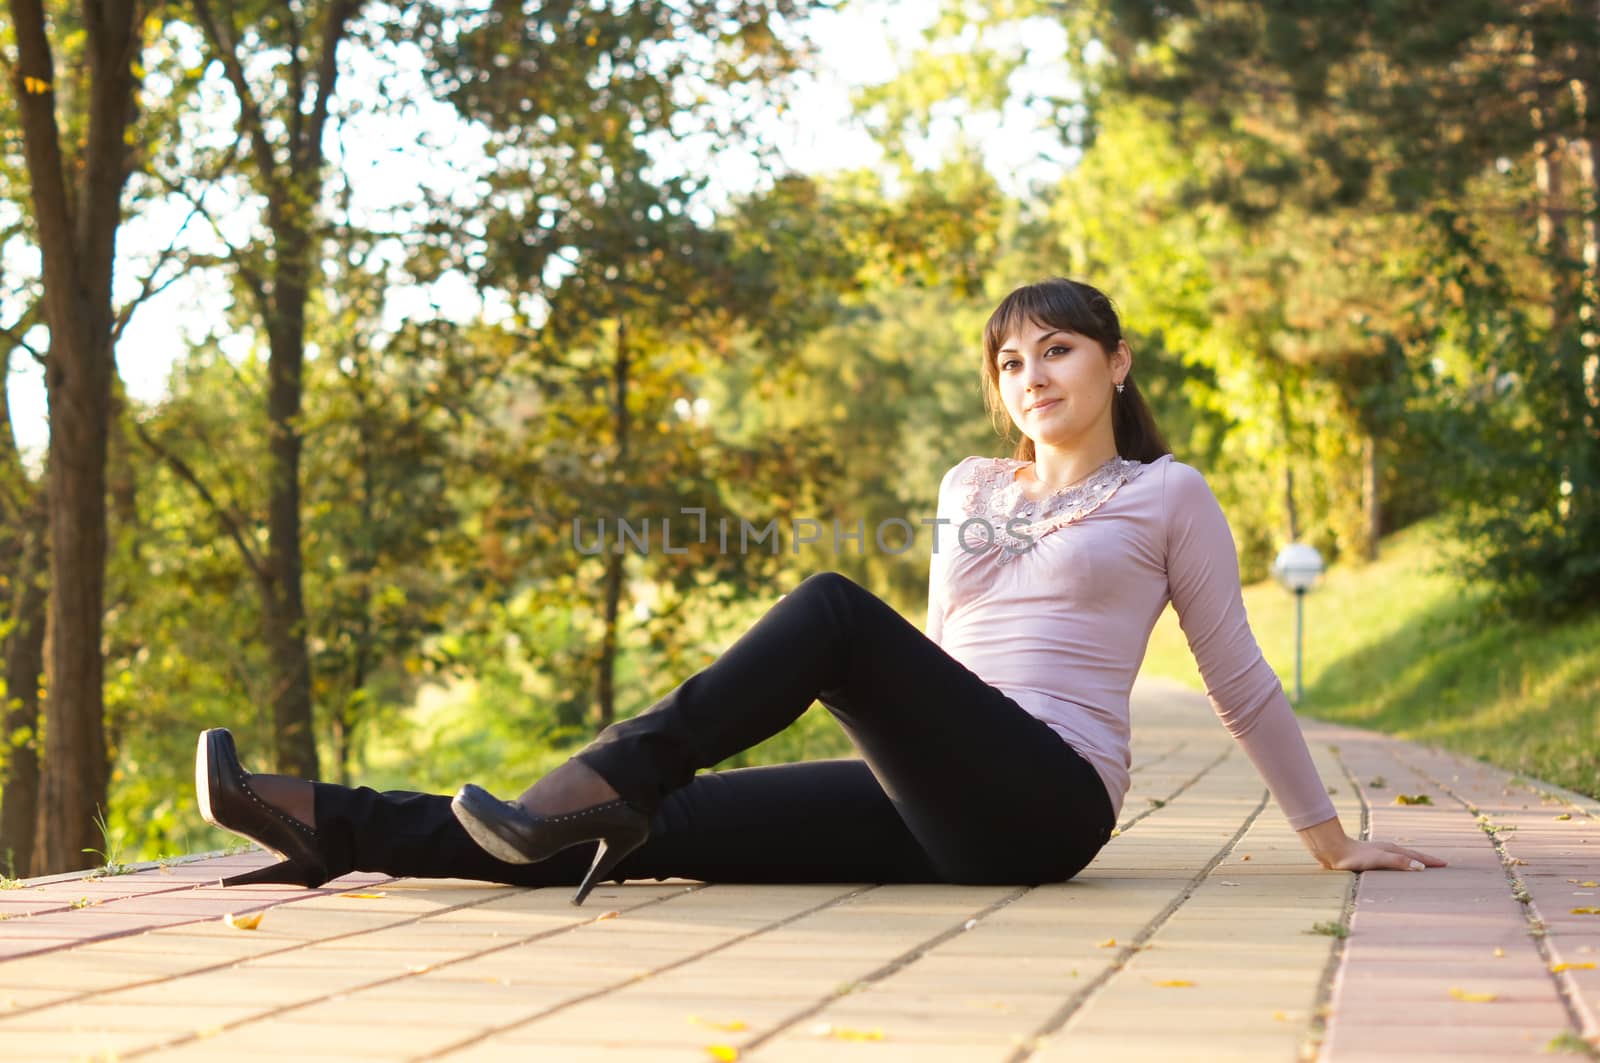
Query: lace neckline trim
[[1018, 521]]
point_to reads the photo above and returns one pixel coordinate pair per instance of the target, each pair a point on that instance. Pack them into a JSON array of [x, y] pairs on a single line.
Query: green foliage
[[1519, 438]]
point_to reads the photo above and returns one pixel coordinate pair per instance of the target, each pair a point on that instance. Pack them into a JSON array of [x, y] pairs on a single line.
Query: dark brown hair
[[1059, 303]]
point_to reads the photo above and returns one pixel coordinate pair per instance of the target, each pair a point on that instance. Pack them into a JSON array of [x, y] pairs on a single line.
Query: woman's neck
[[1055, 468]]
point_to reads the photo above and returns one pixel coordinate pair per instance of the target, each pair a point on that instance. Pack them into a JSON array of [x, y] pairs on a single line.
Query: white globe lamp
[[1297, 567]]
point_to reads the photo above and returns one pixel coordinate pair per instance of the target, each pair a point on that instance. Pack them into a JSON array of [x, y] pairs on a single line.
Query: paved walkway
[[1203, 931]]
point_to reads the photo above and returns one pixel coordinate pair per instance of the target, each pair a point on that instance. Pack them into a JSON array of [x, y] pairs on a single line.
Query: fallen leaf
[[1590, 885], [1565, 815], [1246, 856], [844, 1033], [364, 896], [1108, 943], [1281, 1016], [1499, 952], [732, 1026], [1174, 983], [606, 915], [1586, 911], [1472, 998], [1558, 968], [208, 1031], [1412, 799], [726, 1053], [243, 922], [1115, 831]]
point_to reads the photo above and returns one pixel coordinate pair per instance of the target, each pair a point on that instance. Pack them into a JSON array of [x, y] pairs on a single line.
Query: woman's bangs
[[1051, 305]]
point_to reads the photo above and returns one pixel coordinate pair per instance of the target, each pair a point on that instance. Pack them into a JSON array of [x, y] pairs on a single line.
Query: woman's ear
[[1122, 360]]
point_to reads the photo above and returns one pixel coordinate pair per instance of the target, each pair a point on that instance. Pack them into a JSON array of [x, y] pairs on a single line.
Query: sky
[[857, 45]]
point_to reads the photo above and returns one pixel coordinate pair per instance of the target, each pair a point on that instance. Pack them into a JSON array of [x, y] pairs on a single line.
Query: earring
[[1120, 387]]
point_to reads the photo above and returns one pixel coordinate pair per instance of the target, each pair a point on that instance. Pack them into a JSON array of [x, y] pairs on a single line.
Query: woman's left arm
[[1203, 579]]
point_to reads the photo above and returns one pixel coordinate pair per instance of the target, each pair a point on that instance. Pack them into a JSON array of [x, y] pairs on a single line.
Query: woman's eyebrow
[[1039, 340]]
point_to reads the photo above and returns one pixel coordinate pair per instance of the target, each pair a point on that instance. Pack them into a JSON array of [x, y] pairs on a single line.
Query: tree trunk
[[1569, 296], [77, 242], [1285, 423], [606, 696], [1585, 147], [293, 187], [73, 794], [615, 560], [24, 661], [1371, 498], [1552, 232], [294, 737]]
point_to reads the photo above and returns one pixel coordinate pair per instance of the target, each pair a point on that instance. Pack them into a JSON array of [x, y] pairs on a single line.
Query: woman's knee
[[828, 583]]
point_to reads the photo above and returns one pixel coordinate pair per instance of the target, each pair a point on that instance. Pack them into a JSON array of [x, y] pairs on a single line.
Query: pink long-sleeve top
[[1052, 602]]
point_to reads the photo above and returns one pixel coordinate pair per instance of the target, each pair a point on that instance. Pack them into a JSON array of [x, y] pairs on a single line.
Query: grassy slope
[[1392, 647]]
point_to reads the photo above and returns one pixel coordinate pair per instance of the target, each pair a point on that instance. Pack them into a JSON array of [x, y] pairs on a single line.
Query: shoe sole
[[202, 793], [202, 779], [488, 839]]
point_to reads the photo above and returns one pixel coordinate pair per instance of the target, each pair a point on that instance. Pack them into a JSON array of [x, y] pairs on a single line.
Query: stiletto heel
[[506, 831], [226, 800], [607, 855]]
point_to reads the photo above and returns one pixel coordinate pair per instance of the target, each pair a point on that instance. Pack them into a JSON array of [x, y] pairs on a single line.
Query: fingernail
[[1416, 866]]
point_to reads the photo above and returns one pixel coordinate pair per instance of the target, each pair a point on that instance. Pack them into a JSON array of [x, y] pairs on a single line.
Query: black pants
[[958, 783]]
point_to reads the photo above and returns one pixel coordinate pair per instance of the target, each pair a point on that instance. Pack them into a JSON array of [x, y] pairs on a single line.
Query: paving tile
[[496, 1050], [1137, 1047], [95, 1016]]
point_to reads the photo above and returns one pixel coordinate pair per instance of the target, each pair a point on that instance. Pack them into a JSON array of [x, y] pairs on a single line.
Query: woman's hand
[[1337, 851], [1381, 856]]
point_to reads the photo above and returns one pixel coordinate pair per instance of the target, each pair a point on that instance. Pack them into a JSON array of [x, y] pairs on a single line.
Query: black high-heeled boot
[[508, 832], [227, 801]]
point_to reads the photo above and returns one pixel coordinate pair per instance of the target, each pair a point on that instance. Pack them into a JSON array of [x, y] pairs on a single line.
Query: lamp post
[[1297, 567]]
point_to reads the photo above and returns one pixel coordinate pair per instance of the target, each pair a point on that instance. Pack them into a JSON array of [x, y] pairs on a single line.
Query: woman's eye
[[1053, 350], [1006, 365]]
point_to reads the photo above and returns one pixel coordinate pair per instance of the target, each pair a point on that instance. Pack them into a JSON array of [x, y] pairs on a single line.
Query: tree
[[396, 445], [24, 530], [77, 208], [586, 232], [289, 101]]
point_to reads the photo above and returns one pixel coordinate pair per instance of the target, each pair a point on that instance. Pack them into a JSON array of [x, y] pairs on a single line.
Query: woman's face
[[1057, 384]]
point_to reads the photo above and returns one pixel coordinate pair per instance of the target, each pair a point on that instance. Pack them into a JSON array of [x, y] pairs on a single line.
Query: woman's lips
[[1036, 407]]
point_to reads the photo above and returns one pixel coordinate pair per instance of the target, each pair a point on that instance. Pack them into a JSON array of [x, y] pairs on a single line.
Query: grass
[[111, 856], [1395, 647]]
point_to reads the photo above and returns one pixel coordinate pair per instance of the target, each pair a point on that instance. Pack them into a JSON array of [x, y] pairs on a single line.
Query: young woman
[[994, 749]]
